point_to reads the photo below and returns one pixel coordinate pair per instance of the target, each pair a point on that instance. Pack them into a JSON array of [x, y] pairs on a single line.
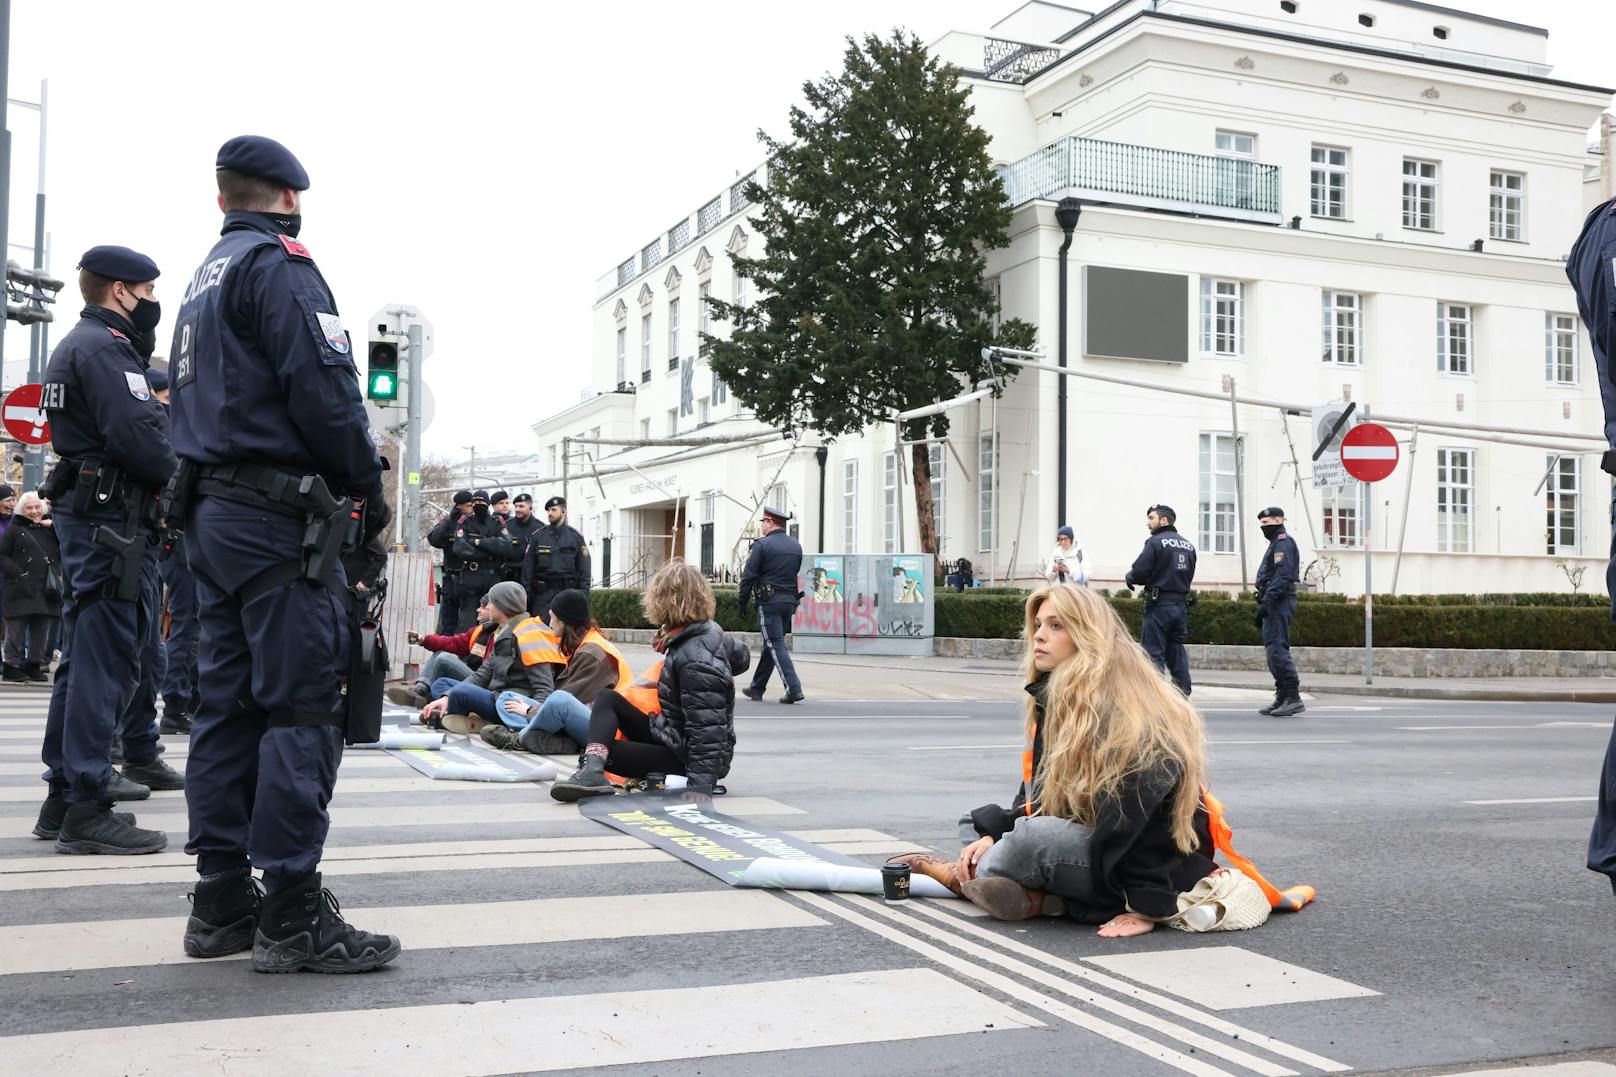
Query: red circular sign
[[1369, 452], [25, 420]]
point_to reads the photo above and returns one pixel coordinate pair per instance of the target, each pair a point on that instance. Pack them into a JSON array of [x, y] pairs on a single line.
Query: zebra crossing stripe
[[103, 944], [560, 1032]]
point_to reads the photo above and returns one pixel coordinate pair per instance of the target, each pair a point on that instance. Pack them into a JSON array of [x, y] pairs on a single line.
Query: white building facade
[[1320, 201]]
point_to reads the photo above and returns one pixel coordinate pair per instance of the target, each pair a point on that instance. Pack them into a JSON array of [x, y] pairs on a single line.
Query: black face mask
[[1272, 531], [288, 223], [145, 316], [481, 510], [145, 342]]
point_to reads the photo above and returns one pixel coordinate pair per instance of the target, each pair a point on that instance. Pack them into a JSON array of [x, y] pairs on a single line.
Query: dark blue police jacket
[[775, 560], [261, 367], [1167, 563], [1281, 565], [99, 403]]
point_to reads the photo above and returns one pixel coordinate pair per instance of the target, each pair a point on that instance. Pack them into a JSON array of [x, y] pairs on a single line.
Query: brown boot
[[1004, 899], [931, 866]]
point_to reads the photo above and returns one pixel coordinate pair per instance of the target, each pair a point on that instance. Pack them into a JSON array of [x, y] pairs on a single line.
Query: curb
[[1495, 695]]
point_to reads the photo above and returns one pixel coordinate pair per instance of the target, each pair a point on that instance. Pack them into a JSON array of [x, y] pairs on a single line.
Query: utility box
[[820, 625], [866, 604]]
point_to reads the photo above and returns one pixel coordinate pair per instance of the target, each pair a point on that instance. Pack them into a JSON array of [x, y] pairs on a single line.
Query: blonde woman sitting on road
[[1109, 825]]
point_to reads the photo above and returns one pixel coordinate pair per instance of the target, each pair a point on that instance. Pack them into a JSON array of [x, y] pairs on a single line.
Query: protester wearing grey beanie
[[509, 596]]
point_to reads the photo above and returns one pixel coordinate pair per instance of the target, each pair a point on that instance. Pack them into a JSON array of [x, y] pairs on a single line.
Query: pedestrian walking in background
[[31, 560], [1068, 562], [1276, 606], [1166, 570], [770, 577]]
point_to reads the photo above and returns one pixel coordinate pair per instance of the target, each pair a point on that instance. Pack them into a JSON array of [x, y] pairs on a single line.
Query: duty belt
[[268, 488], [1170, 598]]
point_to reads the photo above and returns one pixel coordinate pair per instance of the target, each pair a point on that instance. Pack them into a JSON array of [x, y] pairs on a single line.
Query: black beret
[[119, 263], [1271, 510], [556, 501], [255, 155], [462, 496], [1163, 510], [500, 495], [522, 499]]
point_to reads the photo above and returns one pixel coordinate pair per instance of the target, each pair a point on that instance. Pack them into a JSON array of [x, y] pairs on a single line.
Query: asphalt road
[[1456, 926]]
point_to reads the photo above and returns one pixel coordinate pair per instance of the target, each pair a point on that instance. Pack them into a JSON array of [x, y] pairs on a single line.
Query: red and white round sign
[[1369, 452], [24, 417]]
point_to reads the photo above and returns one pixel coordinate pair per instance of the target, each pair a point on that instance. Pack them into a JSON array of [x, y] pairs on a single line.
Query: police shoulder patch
[[294, 249], [1279, 555], [335, 335], [138, 386]]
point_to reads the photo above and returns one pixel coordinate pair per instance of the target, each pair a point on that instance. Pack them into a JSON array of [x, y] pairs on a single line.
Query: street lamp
[[1067, 212]]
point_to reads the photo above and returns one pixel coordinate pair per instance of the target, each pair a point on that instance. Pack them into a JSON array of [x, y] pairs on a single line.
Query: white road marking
[[105, 944], [1298, 740], [1535, 800], [1006, 986], [560, 1032], [1229, 977], [959, 747], [355, 761], [1537, 725], [1584, 1068]]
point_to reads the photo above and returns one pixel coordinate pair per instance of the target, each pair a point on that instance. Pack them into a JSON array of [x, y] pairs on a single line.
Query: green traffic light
[[383, 386]]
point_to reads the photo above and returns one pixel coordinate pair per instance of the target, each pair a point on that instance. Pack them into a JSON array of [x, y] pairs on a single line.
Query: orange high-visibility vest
[[1288, 900], [471, 640], [625, 676], [536, 643], [643, 691]]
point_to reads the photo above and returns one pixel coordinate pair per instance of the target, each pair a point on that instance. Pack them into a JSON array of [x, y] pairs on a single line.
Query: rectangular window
[[1343, 328], [742, 290], [1328, 188], [645, 348], [704, 412], [1454, 339], [1455, 499], [889, 503], [555, 468], [1560, 354], [622, 355], [1562, 491], [986, 468], [673, 421], [1506, 205], [673, 334], [1222, 317], [1218, 490], [1342, 508], [704, 318], [1420, 179], [937, 458], [1236, 144], [1236, 165], [850, 501], [645, 429]]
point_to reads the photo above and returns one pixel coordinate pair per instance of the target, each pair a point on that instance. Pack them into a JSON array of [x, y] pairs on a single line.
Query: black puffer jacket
[[27, 550], [697, 695]]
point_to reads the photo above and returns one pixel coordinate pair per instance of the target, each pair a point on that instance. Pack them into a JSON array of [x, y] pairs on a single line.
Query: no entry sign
[[24, 418], [1369, 452]]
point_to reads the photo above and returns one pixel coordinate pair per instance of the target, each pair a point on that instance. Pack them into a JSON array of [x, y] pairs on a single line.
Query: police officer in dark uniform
[[442, 537], [1276, 606], [522, 526], [113, 441], [269, 420], [176, 658], [1592, 269], [1166, 570], [476, 547], [557, 560], [770, 576]]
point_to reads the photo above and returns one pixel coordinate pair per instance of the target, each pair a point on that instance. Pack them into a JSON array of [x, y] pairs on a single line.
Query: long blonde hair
[[1109, 714]]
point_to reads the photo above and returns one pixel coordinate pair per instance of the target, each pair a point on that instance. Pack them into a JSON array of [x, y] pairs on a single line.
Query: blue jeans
[[1045, 853], [465, 698], [561, 712], [441, 666]]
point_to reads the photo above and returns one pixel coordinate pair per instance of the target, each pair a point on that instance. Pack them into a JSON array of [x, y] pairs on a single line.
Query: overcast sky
[[485, 162]]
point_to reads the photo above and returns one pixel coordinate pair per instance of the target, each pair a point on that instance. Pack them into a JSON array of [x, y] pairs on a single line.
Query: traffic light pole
[[412, 442]]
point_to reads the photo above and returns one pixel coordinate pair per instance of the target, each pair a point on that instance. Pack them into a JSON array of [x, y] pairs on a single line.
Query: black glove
[[1258, 618], [378, 514]]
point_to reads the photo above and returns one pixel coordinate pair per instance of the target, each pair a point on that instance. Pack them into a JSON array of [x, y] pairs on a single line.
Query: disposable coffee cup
[[895, 882]]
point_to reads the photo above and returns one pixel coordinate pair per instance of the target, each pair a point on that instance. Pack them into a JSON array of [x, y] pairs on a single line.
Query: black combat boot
[[154, 775], [1279, 697], [35, 674], [754, 694], [538, 742], [224, 914], [589, 780], [121, 788], [91, 827], [54, 810], [176, 718], [793, 695], [302, 927], [1290, 706], [14, 675]]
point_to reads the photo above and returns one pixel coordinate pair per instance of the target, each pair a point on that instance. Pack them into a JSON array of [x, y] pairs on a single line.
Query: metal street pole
[[1239, 476], [5, 149], [33, 472], [1368, 588], [412, 441], [1408, 493]]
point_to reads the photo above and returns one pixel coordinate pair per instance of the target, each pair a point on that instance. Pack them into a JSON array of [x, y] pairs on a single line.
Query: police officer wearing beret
[[557, 560], [770, 576], [1591, 266], [476, 548], [442, 537], [113, 441], [522, 526], [268, 415], [1276, 606], [1165, 569]]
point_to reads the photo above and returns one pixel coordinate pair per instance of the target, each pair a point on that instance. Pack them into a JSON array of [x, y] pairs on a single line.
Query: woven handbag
[[1235, 901]]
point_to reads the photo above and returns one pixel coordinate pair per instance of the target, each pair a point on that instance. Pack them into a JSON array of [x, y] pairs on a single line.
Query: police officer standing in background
[[1276, 605], [442, 537], [1166, 570], [557, 560], [523, 525], [1592, 269], [771, 575], [268, 415], [113, 442], [476, 548]]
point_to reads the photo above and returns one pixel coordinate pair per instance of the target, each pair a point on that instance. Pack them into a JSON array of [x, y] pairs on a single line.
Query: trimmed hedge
[[1333, 622]]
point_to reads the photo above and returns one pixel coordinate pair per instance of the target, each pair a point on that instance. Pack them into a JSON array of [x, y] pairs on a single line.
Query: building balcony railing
[[1147, 176]]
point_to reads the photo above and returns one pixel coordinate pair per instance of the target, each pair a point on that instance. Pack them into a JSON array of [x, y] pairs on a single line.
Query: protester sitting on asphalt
[[31, 560], [1109, 825], [524, 658], [454, 657], [693, 732], [560, 724]]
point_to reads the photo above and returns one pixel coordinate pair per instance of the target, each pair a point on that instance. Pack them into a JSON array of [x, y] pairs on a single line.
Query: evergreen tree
[[876, 216]]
